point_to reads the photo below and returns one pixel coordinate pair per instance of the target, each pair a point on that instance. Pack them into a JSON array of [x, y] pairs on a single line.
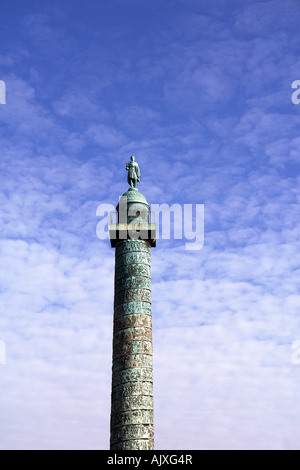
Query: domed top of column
[[131, 196]]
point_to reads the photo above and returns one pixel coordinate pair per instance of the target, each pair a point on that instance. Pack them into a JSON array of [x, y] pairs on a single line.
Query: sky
[[200, 92]]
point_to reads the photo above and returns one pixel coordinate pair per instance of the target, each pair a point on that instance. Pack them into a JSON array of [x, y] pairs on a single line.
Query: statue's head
[[132, 158]]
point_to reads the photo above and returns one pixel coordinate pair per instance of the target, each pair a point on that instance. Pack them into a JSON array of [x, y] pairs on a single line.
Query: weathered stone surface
[[132, 361], [132, 282], [132, 378], [132, 402], [133, 334], [134, 444], [132, 388], [138, 374], [128, 246], [134, 257], [132, 321], [132, 295], [130, 308], [132, 431], [132, 417], [134, 269], [134, 347]]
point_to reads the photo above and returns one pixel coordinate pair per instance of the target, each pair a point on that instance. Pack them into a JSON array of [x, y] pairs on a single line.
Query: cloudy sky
[[200, 92]]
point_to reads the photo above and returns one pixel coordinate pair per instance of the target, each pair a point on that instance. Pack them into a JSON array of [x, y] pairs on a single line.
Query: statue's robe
[[133, 172]]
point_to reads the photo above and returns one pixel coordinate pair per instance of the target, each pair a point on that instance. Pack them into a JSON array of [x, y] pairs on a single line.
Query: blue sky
[[200, 93]]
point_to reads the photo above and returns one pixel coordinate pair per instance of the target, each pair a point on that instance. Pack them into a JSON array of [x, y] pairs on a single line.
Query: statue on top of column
[[133, 176]]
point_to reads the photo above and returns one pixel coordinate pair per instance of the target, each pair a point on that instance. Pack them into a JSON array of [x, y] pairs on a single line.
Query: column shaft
[[132, 369]]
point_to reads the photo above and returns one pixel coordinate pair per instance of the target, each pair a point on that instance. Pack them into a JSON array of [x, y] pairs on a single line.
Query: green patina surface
[[132, 372], [132, 425]]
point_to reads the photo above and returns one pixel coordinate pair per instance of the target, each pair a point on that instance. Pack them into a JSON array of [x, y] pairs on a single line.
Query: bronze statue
[[133, 169]]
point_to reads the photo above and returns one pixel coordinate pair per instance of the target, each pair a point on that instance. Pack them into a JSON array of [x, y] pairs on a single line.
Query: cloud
[[57, 331], [267, 18], [106, 136]]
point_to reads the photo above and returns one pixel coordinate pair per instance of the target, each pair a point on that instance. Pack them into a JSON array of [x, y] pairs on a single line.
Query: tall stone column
[[131, 424]]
